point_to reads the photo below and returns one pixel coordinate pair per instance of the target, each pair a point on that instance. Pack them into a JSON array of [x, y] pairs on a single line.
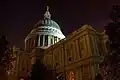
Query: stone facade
[[80, 53], [77, 56]]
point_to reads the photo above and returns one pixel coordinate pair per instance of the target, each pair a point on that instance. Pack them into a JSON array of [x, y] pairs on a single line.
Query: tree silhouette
[[5, 53], [115, 14], [113, 28], [4, 49], [111, 62], [41, 72]]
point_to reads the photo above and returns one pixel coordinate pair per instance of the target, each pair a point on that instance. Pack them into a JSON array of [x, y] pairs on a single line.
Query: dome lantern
[[47, 14]]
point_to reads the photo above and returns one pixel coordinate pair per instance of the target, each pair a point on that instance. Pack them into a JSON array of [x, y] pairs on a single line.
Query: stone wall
[[81, 52]]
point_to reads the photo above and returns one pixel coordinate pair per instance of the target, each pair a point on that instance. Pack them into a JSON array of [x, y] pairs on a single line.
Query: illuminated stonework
[[81, 52], [45, 33]]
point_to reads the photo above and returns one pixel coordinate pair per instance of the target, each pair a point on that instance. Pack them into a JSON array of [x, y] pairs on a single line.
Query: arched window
[[46, 40], [36, 43], [41, 40]]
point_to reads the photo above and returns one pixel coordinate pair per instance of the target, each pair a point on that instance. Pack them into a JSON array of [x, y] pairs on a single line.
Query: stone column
[[93, 73], [57, 39], [80, 73], [77, 75], [53, 39], [39, 41]]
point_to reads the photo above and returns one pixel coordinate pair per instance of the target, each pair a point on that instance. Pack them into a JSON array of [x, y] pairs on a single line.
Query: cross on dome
[[47, 14]]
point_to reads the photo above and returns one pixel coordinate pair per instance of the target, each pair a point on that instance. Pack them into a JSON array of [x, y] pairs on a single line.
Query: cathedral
[[77, 56]]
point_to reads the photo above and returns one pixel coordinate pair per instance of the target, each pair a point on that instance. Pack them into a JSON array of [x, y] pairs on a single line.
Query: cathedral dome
[[46, 31], [47, 22]]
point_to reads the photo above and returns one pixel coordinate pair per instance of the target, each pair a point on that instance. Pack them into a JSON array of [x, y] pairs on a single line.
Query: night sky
[[18, 17]]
